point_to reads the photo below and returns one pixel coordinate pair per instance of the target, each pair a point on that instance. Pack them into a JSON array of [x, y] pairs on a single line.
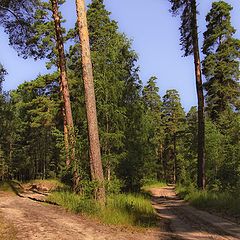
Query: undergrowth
[[221, 202], [121, 209]]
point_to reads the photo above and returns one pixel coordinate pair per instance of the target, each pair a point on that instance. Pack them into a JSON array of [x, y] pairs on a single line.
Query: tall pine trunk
[[69, 136], [90, 101], [175, 159], [200, 96]]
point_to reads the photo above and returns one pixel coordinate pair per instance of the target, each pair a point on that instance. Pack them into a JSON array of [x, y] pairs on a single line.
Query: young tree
[[190, 46], [153, 134], [90, 101], [173, 119], [221, 64]]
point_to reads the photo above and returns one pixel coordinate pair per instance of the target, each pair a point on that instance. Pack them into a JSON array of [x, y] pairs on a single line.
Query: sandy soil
[[34, 220], [187, 222], [38, 221]]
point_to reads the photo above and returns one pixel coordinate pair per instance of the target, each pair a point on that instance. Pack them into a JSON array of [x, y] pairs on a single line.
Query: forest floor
[[33, 220]]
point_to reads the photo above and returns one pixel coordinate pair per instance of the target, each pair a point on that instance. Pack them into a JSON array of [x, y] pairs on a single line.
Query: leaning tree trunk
[[69, 135], [200, 96], [90, 101]]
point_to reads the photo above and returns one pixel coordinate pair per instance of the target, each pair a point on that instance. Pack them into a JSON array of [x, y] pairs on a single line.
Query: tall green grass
[[222, 202], [121, 209]]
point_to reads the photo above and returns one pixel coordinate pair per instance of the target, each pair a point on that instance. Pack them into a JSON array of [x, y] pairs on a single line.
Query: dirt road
[[38, 221], [189, 223]]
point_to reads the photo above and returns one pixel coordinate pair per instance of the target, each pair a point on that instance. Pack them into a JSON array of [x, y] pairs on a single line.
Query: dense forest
[[119, 134]]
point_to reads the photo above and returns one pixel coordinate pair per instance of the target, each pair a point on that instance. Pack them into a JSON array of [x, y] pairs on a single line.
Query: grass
[[221, 202], [121, 209]]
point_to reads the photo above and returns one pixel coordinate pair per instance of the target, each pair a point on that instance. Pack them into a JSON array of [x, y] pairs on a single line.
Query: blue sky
[[155, 38]]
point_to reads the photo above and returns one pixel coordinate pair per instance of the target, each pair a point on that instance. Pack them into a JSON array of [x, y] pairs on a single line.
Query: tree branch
[[9, 10]]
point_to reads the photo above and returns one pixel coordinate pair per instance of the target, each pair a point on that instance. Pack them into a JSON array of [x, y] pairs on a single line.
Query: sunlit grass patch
[[74, 203], [122, 209], [222, 202]]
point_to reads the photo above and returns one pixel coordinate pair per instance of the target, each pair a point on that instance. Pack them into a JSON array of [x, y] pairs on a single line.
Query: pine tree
[[190, 46], [67, 110], [110, 71], [36, 108], [90, 100], [190, 142], [153, 135], [221, 64], [173, 119], [34, 35]]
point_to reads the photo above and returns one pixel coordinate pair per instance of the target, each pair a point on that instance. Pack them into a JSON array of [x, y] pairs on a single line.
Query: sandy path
[[189, 223], [37, 221]]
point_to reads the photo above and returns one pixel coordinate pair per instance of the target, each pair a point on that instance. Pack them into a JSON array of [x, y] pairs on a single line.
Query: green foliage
[[152, 128], [186, 10], [144, 138], [221, 64], [36, 114], [30, 28], [174, 118]]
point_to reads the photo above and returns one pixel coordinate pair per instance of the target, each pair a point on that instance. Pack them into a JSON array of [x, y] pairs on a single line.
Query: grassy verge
[[122, 209], [11, 187], [224, 202], [5, 187], [7, 232]]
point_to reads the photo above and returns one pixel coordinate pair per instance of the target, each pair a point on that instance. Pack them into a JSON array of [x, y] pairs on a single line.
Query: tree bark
[[200, 96], [66, 140], [69, 134], [90, 101], [65, 130], [175, 159], [67, 112]]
